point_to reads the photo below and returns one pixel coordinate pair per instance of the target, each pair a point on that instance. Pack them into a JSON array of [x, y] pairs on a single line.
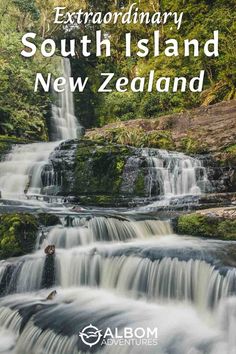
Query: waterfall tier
[[179, 327], [20, 173], [64, 123], [88, 230]]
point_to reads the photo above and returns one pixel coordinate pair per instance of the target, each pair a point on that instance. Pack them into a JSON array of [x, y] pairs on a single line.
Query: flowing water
[[118, 271], [64, 123], [174, 174], [115, 270], [21, 173]]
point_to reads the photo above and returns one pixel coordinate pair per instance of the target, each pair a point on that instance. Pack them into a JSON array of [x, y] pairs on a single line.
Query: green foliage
[[22, 111], [200, 19], [18, 233], [192, 146], [231, 150], [119, 106], [135, 136], [206, 226], [27, 7]]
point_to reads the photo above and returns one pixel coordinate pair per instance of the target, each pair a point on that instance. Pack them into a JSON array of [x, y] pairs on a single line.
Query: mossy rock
[[139, 188], [99, 168], [206, 226], [18, 234], [48, 219]]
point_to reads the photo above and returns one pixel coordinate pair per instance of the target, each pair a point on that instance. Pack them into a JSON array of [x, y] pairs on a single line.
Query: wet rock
[[46, 219], [50, 250], [52, 295]]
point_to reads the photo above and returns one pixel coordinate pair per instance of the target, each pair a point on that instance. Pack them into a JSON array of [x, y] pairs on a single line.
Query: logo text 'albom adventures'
[[91, 336]]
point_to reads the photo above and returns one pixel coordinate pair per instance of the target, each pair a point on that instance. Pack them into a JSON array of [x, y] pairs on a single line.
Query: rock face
[[222, 175], [113, 168], [211, 128], [58, 176], [108, 174], [90, 171]]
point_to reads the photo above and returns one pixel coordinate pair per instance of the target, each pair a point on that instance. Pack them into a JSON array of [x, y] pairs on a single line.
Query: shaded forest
[[24, 113]]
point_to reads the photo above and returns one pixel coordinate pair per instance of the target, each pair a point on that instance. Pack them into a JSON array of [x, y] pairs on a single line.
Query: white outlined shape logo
[[90, 335]]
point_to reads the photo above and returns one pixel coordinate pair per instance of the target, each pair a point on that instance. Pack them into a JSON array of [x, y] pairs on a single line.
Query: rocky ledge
[[108, 174], [211, 223]]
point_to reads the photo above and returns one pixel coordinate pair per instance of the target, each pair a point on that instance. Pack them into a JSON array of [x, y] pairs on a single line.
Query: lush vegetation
[[24, 113], [146, 136], [207, 226], [18, 233], [200, 20]]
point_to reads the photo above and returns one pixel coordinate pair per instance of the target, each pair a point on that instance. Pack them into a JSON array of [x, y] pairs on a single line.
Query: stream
[[113, 268]]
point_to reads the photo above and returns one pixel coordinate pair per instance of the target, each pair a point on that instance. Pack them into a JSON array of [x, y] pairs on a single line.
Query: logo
[[90, 335]]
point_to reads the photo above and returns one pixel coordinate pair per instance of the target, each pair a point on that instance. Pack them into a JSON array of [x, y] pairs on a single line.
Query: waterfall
[[119, 271], [174, 174], [135, 271], [180, 329], [20, 172], [64, 122], [103, 229]]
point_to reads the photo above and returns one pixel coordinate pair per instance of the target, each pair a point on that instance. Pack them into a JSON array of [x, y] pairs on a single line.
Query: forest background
[[24, 113]]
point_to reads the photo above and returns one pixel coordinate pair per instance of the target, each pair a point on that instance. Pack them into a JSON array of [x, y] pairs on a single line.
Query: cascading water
[[127, 270], [64, 122], [104, 229], [174, 174], [105, 271], [180, 330], [21, 172]]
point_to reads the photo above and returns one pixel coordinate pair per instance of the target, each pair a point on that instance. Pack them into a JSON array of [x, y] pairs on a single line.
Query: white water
[[174, 174], [21, 172], [159, 268], [182, 294], [64, 122], [189, 297], [180, 329]]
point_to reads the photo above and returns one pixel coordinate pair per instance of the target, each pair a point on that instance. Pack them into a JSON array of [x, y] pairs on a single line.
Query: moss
[[10, 140], [99, 168], [231, 149], [18, 233], [139, 189], [48, 219], [227, 229], [206, 226]]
